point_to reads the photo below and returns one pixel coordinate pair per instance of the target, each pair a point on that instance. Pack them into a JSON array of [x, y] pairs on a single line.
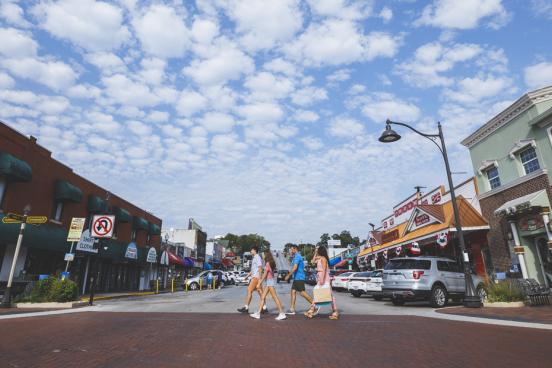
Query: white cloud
[[106, 62], [264, 23], [306, 116], [312, 143], [158, 116], [84, 91], [127, 92], [309, 95], [6, 81], [16, 43], [386, 14], [139, 128], [542, 8], [335, 42], [538, 75], [341, 8], [267, 86], [339, 75], [226, 144], [13, 14], [204, 30], [465, 14], [381, 106], [280, 65], [191, 102], [93, 25], [162, 32], [54, 74], [473, 90], [345, 128], [153, 70], [45, 103], [261, 112], [217, 122]]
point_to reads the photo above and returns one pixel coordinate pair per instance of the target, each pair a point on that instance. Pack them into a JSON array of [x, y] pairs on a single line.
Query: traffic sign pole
[[70, 251], [6, 301]]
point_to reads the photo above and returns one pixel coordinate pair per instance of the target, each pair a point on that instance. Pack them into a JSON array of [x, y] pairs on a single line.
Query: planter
[[504, 304], [51, 305]]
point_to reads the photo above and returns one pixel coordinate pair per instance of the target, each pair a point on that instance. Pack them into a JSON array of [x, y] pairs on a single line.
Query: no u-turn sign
[[102, 226]]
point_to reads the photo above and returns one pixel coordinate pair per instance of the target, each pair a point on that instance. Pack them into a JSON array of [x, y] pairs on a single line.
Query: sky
[[263, 116]]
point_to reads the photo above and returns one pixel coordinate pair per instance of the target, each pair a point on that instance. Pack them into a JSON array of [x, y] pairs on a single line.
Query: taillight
[[417, 274]]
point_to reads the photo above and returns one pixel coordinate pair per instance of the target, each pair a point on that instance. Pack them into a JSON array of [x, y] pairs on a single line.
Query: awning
[[536, 199], [188, 262], [48, 237], [140, 223], [122, 215], [154, 229], [344, 263], [174, 259], [65, 191], [96, 204], [334, 261], [15, 169], [227, 262]]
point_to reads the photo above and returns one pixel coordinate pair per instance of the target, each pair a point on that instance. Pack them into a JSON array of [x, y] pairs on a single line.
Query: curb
[[119, 296]]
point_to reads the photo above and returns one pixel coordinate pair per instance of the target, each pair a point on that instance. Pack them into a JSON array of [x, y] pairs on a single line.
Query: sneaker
[[290, 312], [280, 317], [265, 310], [243, 310], [255, 315]]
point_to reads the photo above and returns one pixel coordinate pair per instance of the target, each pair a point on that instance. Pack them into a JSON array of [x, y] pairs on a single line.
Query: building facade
[[194, 241], [511, 156], [30, 176]]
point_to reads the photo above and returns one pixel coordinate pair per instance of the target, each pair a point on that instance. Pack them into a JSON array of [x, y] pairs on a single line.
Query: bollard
[[186, 283], [214, 283], [172, 285], [157, 286], [200, 284]]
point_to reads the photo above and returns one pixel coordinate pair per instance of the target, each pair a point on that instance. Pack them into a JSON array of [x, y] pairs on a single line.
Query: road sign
[[15, 216], [7, 220], [75, 229], [87, 243], [37, 220], [69, 257], [102, 226]]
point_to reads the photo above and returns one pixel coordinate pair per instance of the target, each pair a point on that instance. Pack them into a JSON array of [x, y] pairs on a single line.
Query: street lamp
[[471, 299]]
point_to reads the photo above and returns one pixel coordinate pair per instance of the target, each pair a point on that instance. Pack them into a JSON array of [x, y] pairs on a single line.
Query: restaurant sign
[[531, 223], [421, 219], [390, 236]]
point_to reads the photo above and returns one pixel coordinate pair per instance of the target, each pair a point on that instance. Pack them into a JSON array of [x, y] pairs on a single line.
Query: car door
[[459, 277], [446, 276]]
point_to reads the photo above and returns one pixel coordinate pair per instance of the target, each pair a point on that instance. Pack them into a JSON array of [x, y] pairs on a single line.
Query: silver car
[[426, 278]]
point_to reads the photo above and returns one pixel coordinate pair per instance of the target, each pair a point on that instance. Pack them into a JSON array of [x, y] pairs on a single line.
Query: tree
[[243, 243]]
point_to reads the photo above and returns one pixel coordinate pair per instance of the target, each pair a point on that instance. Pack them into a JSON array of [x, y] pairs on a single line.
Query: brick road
[[102, 339]]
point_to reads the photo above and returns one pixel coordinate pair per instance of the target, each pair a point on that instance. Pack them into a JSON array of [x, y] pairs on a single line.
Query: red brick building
[[30, 176]]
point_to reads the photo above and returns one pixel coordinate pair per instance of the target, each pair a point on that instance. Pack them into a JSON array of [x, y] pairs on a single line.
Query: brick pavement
[[542, 314], [101, 339]]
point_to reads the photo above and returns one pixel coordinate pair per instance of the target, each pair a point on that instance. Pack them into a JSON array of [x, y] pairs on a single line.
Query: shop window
[[148, 240], [133, 235], [58, 211], [529, 160], [492, 176], [3, 186]]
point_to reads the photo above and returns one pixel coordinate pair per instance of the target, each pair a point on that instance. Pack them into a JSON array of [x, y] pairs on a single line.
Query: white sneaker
[[280, 317], [255, 315], [290, 312]]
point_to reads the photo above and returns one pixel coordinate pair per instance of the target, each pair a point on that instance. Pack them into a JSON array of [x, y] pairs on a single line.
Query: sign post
[[74, 235], [102, 227]]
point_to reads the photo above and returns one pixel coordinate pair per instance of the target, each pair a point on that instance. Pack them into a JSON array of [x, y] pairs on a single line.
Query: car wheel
[[378, 297], [397, 301], [194, 286], [482, 293], [356, 294], [439, 297]]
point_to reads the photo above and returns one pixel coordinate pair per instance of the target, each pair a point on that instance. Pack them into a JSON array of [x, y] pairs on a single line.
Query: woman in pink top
[[268, 276], [322, 262]]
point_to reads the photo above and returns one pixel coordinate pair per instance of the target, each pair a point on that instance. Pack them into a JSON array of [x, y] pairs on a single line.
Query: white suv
[[368, 283]]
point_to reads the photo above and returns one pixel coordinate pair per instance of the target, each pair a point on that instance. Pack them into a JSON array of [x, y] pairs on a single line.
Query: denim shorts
[[270, 282]]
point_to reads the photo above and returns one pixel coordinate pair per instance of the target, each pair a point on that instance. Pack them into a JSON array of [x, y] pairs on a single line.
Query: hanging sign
[[531, 223], [131, 251], [152, 255], [334, 243], [87, 243], [102, 226], [164, 259], [75, 229]]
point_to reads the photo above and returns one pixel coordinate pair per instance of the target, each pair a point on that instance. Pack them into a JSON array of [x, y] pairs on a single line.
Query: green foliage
[[52, 290], [243, 243], [503, 291]]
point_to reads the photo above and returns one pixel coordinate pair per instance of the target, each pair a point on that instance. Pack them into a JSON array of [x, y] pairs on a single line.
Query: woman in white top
[[268, 277]]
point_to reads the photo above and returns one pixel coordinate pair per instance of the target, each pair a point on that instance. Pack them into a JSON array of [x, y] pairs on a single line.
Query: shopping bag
[[322, 294]]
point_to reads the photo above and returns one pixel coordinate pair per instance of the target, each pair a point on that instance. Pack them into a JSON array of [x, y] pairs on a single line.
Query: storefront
[[530, 235], [431, 231]]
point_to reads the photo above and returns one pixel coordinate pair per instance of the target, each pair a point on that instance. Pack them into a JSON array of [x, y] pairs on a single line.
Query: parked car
[[282, 276], [435, 279], [231, 275], [202, 280], [366, 283], [242, 279], [340, 281], [311, 278]]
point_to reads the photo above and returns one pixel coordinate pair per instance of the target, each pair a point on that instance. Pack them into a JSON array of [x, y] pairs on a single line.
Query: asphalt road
[[202, 329]]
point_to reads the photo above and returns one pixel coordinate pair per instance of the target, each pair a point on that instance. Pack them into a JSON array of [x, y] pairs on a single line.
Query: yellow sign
[[37, 219], [15, 216], [7, 220], [75, 229]]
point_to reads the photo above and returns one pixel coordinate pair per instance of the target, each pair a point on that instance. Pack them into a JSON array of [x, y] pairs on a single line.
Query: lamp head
[[389, 135]]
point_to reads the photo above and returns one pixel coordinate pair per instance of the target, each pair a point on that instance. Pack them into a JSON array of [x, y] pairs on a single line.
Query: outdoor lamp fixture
[[471, 299]]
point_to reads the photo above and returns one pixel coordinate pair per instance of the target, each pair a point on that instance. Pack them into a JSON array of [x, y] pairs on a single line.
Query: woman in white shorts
[[268, 278]]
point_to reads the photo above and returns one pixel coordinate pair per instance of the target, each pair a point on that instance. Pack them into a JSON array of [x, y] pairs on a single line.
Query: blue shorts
[[270, 282]]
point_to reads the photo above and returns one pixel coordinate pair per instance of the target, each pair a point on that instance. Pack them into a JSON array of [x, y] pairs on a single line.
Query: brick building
[[30, 176], [511, 156]]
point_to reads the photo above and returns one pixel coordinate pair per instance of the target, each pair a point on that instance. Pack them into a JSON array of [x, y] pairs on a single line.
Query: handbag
[[322, 294]]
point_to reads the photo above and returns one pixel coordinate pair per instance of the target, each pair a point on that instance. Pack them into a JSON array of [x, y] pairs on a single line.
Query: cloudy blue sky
[[263, 116]]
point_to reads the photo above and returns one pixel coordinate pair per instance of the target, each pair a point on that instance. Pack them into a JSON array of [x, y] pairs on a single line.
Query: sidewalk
[[128, 294], [542, 314]]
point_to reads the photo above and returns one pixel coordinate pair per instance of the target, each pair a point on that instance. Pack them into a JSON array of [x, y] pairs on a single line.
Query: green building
[[512, 157]]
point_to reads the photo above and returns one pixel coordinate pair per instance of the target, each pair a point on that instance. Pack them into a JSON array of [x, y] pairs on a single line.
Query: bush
[[51, 290], [504, 291]]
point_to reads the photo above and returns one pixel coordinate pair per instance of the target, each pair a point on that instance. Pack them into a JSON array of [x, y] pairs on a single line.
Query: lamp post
[[471, 299]]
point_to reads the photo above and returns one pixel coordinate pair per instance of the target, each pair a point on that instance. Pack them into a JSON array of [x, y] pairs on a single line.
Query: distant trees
[[242, 243], [307, 249]]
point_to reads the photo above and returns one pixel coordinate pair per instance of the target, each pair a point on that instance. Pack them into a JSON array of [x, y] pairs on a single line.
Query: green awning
[[140, 223], [122, 215], [15, 169], [48, 237], [96, 204], [154, 229], [112, 249], [66, 191]]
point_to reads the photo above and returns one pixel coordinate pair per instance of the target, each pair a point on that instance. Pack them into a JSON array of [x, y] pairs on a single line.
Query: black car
[[311, 278], [282, 276]]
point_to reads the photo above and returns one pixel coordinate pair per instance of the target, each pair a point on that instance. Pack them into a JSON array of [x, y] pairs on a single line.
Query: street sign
[[75, 229], [334, 242], [87, 243], [15, 216], [36, 220], [102, 226], [7, 220], [69, 257]]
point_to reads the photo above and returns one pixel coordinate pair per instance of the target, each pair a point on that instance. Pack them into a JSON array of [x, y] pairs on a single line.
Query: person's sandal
[[309, 313], [334, 316]]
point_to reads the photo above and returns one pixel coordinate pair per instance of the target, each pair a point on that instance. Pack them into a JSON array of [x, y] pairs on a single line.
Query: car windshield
[[376, 274], [408, 264], [345, 274]]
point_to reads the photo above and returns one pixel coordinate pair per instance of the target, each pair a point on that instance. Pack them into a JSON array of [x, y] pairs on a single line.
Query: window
[[492, 176], [133, 235], [529, 160], [408, 264], [58, 210], [443, 266], [3, 186]]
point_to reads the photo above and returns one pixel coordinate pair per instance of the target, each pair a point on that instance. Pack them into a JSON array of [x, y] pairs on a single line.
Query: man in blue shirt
[[298, 272]]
